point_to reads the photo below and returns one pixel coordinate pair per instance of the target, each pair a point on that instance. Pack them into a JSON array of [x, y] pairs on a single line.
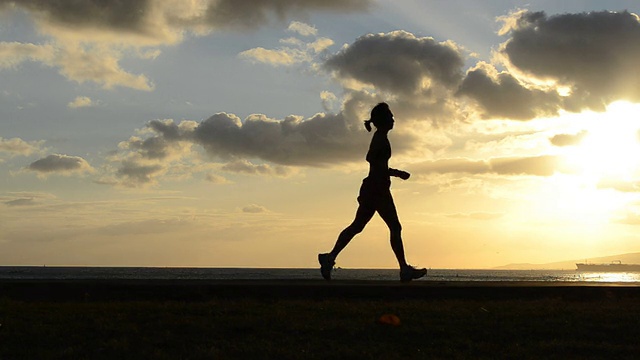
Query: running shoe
[[326, 265], [408, 273]]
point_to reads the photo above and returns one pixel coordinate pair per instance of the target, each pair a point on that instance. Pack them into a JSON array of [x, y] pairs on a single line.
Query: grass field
[[280, 328]]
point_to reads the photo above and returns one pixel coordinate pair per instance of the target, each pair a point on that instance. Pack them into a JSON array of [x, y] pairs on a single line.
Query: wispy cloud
[[254, 209], [17, 146], [568, 139], [217, 179], [544, 165], [294, 50], [80, 102], [246, 167], [302, 28]]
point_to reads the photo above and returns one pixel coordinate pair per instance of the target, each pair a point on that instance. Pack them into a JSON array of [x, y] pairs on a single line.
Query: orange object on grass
[[389, 319]]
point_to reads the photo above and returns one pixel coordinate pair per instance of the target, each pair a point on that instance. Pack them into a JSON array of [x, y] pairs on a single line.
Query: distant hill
[[631, 258]]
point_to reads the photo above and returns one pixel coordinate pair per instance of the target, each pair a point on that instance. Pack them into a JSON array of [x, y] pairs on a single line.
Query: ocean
[[177, 273]]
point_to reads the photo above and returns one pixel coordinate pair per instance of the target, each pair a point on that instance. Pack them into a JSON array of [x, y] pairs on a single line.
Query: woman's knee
[[356, 227]]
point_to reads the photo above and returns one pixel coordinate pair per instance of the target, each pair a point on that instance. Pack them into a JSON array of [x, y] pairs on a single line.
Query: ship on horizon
[[614, 266]]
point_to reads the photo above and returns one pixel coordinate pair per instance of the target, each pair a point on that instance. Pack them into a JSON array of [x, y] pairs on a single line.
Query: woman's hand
[[403, 175]]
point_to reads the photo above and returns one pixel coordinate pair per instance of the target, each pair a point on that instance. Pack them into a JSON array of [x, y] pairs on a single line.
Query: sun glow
[[599, 170], [611, 146]]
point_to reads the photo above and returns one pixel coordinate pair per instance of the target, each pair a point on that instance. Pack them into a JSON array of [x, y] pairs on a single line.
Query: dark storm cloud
[[57, 163], [544, 165], [398, 62], [568, 139], [501, 95], [594, 54]]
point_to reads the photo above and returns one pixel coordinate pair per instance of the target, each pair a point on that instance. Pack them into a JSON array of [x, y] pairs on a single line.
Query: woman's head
[[381, 117]]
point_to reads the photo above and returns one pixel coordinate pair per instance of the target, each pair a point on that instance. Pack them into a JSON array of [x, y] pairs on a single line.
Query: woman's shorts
[[375, 194]]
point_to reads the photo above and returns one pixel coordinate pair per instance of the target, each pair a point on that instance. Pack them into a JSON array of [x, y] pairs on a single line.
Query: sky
[[220, 133]]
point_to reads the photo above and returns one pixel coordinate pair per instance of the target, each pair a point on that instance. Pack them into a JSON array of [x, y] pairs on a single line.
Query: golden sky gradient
[[229, 133]]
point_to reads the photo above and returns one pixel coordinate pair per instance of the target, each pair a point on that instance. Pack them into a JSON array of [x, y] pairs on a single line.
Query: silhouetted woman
[[375, 196]]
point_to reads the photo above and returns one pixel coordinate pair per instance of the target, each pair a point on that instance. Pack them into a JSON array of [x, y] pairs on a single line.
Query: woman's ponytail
[[367, 124]]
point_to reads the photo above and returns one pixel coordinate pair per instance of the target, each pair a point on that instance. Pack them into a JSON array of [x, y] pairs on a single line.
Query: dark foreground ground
[[316, 320]]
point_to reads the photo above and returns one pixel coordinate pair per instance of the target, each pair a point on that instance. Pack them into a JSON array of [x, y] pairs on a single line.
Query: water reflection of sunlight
[[610, 276]]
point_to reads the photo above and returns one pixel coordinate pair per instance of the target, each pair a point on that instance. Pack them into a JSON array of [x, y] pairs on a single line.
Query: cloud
[[625, 186], [246, 167], [111, 15], [245, 15], [322, 140], [24, 198], [398, 62], [217, 179], [568, 139], [60, 164], [302, 28], [543, 165], [165, 20], [14, 53], [257, 145], [283, 56], [21, 202], [501, 95], [421, 78], [17, 146], [81, 101], [254, 209], [161, 147], [444, 166], [89, 38], [328, 100], [294, 51], [97, 64], [135, 174], [80, 63], [593, 55]]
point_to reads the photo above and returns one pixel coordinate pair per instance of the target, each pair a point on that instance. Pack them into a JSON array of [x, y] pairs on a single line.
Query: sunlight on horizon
[[610, 277]]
